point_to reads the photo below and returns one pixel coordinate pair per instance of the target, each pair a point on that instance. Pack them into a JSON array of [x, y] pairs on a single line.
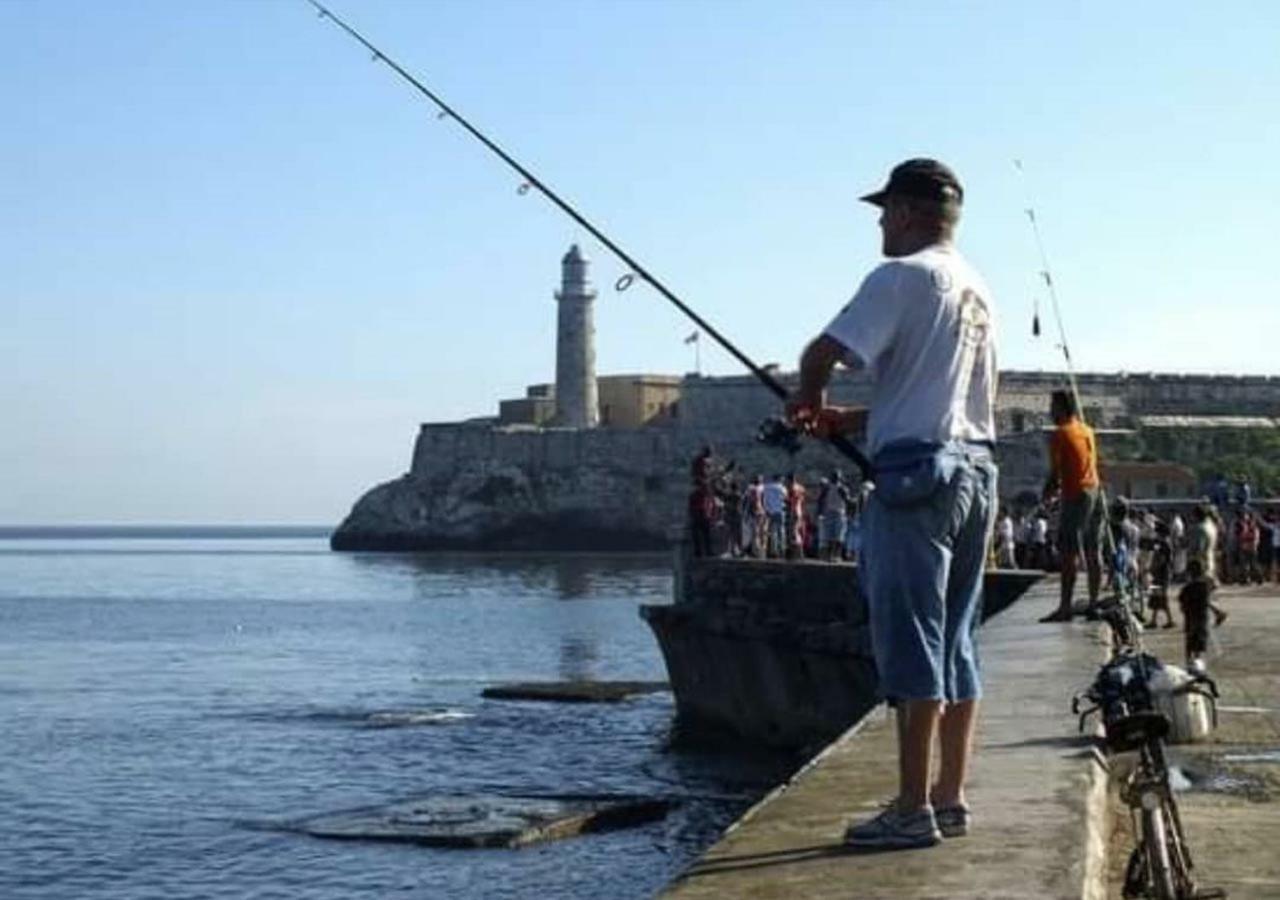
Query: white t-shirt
[[1131, 534], [1006, 531], [925, 326], [1205, 547]]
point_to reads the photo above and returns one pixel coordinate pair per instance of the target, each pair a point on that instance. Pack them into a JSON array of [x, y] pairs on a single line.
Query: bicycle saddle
[[1136, 729]]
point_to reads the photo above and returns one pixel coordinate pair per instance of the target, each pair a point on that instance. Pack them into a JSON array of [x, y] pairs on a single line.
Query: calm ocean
[[171, 701]]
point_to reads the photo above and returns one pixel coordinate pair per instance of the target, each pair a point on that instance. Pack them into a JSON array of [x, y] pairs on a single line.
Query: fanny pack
[[910, 474]]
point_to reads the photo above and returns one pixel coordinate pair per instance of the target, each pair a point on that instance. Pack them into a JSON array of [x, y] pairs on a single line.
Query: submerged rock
[[574, 691], [483, 820]]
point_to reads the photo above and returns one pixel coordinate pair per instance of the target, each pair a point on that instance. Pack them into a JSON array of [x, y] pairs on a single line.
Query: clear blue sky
[[240, 263]]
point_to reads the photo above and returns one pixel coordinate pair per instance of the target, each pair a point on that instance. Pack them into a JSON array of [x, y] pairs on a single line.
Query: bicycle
[[1160, 865], [1126, 627]]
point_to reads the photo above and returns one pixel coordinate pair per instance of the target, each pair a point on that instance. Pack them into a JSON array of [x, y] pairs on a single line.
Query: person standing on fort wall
[[923, 322], [1073, 472], [774, 498]]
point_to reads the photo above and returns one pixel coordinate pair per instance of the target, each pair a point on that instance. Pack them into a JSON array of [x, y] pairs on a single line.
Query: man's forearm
[[816, 363]]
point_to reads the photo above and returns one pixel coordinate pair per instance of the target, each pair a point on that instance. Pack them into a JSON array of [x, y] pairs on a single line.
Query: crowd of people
[[774, 517], [1245, 541]]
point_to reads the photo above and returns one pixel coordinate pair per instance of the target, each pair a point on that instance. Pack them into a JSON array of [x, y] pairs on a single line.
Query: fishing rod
[[531, 181], [1047, 277]]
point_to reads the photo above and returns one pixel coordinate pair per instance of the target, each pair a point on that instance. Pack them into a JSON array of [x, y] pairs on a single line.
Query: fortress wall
[[712, 409], [441, 448]]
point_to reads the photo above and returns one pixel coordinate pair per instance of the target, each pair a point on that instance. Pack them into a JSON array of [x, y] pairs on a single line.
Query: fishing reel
[[776, 431]]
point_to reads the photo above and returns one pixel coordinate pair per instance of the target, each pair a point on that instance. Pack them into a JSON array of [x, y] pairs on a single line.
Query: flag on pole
[[692, 339]]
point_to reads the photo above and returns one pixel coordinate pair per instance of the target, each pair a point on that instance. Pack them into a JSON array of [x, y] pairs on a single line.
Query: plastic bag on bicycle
[[1122, 686], [1135, 683]]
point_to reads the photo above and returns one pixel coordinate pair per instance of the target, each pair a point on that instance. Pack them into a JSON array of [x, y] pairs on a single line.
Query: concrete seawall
[[775, 652], [1037, 793]]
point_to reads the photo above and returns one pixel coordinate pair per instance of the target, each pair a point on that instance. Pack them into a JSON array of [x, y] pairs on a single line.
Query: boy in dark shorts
[[1161, 573], [1194, 600]]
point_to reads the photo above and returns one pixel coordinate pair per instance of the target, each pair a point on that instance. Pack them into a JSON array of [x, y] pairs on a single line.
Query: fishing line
[[1046, 275], [634, 269]]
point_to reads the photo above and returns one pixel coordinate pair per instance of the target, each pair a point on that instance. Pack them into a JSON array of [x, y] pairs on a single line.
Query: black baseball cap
[[926, 179]]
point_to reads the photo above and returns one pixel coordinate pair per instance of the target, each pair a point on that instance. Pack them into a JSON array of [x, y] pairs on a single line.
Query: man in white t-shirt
[[774, 498], [924, 324]]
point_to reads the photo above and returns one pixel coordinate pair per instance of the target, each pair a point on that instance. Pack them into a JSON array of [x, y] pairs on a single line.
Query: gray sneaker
[[891, 830], [953, 821]]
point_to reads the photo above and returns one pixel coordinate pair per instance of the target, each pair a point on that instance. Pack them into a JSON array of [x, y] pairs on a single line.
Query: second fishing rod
[[636, 270]]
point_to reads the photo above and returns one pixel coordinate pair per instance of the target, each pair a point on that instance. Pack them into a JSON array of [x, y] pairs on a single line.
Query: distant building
[[626, 401], [634, 401], [1149, 480], [536, 407]]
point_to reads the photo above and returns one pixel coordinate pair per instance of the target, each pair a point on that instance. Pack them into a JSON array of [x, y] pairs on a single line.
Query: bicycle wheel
[[1179, 853], [1156, 842]]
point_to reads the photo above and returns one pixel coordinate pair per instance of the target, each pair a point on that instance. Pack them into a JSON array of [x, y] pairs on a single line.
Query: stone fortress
[[602, 462]]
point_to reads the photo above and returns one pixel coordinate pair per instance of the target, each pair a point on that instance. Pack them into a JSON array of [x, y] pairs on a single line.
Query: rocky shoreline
[[488, 507]]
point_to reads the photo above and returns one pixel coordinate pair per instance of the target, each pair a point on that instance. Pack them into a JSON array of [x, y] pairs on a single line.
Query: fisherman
[[1073, 472], [923, 323]]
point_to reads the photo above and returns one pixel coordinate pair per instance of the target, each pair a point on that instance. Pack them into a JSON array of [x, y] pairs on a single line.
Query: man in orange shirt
[[1073, 469]]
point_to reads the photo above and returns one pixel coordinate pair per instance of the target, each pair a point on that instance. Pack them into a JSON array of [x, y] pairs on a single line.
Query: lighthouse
[[577, 405]]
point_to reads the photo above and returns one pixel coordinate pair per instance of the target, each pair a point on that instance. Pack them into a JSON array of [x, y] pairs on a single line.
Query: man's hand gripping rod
[[842, 444]]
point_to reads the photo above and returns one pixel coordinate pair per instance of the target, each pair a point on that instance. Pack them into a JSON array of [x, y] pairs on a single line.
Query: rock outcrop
[[495, 505]]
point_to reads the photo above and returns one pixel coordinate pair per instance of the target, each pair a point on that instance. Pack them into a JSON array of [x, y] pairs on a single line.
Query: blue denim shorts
[[927, 528]]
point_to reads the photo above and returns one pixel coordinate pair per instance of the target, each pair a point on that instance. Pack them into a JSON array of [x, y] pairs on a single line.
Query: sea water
[[172, 702]]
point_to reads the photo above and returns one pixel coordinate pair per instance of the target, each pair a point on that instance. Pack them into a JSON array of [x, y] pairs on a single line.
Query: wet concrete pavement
[[1037, 794]]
